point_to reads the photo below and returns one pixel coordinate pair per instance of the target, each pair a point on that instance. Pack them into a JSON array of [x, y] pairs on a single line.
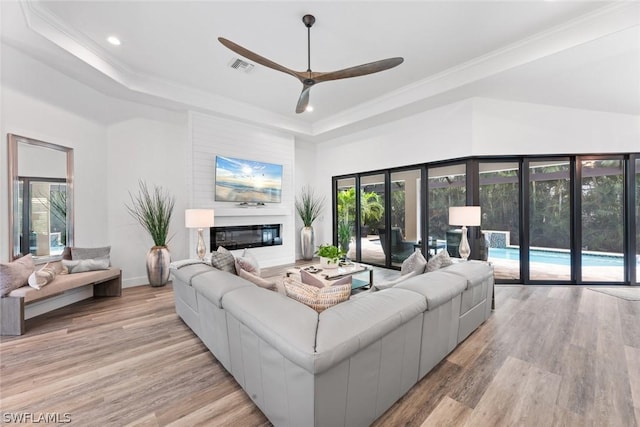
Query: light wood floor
[[548, 356]]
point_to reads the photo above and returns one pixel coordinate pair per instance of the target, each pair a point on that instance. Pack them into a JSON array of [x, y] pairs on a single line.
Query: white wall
[[505, 127], [305, 175], [26, 116], [211, 136], [156, 153]]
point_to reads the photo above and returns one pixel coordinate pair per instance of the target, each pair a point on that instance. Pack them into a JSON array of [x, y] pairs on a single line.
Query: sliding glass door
[[446, 187], [499, 202], [550, 219], [602, 205], [346, 216], [406, 214], [372, 220]]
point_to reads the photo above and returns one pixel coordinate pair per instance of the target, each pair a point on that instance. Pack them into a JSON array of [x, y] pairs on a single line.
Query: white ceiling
[[581, 54]]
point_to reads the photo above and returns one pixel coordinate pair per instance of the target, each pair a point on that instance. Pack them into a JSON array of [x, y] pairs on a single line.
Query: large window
[[499, 189], [372, 192], [406, 214], [602, 201], [545, 219], [550, 219], [446, 187], [346, 215], [637, 224]]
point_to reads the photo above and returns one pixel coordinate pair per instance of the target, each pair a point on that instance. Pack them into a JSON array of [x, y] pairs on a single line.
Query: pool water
[[557, 258]]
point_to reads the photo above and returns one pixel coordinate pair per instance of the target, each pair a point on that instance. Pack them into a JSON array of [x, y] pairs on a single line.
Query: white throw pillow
[[441, 259], [416, 262], [42, 277]]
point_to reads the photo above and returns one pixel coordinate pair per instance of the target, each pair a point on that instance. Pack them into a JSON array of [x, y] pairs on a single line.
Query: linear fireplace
[[245, 236]]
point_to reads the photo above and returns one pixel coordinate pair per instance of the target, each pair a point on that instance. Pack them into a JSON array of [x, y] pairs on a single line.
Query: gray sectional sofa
[[344, 366]]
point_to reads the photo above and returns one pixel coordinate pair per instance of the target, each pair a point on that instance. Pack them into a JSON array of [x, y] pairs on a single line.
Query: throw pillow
[[42, 277], [91, 253], [317, 298], [257, 280], [223, 260], [83, 265], [249, 263], [416, 262], [14, 275], [391, 283], [441, 259], [310, 279]]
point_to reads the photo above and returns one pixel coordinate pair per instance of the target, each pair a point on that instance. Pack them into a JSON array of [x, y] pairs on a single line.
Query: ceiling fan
[[310, 78]]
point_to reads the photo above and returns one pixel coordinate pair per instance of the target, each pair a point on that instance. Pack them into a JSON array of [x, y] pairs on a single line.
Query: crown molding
[[583, 29]]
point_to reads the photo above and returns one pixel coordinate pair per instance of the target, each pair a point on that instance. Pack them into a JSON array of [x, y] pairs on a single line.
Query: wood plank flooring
[[548, 356]]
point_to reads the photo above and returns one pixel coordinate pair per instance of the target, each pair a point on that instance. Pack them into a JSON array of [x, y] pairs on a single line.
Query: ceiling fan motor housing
[[309, 20]]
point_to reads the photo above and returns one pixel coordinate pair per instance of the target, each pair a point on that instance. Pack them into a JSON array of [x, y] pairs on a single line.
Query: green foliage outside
[[372, 211]]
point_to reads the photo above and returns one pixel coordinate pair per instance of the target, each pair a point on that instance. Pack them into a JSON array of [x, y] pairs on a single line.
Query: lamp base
[[464, 248], [201, 249]]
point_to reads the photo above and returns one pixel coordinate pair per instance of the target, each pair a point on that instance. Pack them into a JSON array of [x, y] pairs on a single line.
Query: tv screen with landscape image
[[247, 181]]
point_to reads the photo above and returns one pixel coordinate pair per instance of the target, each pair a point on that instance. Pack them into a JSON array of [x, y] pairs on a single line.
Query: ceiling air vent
[[240, 65]]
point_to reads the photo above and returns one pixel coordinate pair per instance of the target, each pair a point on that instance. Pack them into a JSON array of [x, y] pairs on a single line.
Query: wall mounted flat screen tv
[[247, 181]]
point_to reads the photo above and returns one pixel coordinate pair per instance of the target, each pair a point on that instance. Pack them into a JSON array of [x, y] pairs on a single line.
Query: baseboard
[[135, 281]]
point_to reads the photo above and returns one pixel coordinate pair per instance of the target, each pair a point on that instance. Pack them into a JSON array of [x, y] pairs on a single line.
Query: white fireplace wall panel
[[211, 136]]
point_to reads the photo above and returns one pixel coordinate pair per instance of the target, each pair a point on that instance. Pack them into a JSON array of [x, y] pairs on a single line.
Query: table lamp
[[199, 218], [464, 216]]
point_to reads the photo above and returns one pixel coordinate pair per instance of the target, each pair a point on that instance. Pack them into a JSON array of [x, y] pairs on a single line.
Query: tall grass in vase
[[153, 209], [309, 207]]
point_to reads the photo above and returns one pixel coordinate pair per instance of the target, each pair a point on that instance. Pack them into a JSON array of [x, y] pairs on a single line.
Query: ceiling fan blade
[[359, 70], [303, 101], [255, 57]]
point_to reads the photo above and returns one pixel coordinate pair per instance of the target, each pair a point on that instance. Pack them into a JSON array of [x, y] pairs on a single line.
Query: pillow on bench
[[15, 274], [82, 265]]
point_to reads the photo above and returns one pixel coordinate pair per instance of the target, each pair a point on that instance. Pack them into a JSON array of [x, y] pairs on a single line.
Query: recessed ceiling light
[[309, 108], [114, 40]]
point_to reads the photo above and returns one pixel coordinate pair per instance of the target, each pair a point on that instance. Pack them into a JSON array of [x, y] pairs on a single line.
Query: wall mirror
[[40, 198]]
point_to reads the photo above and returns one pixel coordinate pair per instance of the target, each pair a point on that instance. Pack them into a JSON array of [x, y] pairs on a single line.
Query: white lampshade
[[464, 215], [198, 218]]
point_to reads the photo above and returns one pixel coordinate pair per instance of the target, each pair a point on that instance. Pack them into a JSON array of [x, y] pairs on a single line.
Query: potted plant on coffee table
[[153, 209], [329, 256]]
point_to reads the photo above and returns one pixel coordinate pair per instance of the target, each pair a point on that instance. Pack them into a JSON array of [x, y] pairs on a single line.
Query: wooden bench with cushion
[[106, 283]]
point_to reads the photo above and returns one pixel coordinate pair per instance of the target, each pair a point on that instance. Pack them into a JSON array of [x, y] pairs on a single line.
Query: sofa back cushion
[[346, 328], [214, 284], [437, 287], [288, 326]]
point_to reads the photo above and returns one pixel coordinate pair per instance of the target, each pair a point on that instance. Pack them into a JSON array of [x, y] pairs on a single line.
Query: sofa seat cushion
[[346, 328], [475, 272], [287, 325], [188, 272], [437, 287], [214, 284]]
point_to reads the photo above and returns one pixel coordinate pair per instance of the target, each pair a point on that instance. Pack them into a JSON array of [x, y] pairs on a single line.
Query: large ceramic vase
[[307, 242], [158, 260]]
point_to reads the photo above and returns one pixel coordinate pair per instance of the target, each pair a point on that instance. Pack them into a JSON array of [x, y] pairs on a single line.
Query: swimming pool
[[557, 258]]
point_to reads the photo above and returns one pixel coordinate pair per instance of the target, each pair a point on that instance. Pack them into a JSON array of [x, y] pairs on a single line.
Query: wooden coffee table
[[329, 275]]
